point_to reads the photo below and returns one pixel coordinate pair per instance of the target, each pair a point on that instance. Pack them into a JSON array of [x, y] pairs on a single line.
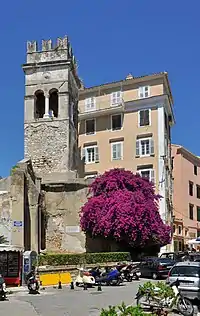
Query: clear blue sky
[[110, 38]]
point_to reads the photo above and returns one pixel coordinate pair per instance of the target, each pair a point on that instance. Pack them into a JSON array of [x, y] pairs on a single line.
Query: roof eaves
[[183, 150], [135, 79]]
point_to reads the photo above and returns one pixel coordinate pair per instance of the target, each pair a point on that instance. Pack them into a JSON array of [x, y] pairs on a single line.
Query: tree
[[3, 240], [125, 207]]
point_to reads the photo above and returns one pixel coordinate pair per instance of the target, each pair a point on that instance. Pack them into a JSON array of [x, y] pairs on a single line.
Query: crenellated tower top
[[62, 50]]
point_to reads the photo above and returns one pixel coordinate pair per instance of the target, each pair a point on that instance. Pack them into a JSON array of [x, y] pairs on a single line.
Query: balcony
[[101, 108]]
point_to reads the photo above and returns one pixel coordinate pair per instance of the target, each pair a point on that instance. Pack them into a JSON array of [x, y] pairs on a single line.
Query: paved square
[[66, 302]]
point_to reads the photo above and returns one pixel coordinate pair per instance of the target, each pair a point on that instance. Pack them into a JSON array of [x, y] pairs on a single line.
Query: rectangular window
[[90, 154], [116, 122], [180, 246], [144, 117], [117, 151], [190, 188], [144, 92], [91, 176], [116, 98], [90, 126], [175, 245], [198, 213], [144, 147], [195, 170], [179, 230], [174, 229], [147, 174], [198, 192], [90, 104], [191, 213]]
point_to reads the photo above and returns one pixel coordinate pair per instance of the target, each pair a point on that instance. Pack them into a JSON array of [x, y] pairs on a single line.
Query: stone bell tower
[[51, 108]]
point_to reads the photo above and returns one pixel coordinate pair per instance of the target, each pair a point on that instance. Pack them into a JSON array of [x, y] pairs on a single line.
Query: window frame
[[195, 170], [150, 170], [92, 119], [198, 190], [198, 209], [112, 98], [151, 152], [141, 90], [90, 109], [191, 188], [96, 153], [122, 152], [191, 205], [139, 117], [114, 130], [180, 230]]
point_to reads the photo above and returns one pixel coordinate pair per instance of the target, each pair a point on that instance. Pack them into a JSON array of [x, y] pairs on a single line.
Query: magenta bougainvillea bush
[[125, 207]]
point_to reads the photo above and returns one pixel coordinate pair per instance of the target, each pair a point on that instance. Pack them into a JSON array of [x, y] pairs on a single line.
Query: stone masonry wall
[[6, 216], [63, 213], [47, 144]]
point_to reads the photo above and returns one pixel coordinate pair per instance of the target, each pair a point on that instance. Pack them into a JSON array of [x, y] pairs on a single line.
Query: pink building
[[186, 196]]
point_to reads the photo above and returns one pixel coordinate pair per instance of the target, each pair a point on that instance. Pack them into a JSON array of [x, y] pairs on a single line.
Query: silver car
[[188, 273]]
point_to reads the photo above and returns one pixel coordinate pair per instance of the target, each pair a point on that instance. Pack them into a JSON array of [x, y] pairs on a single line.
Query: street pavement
[[67, 302]]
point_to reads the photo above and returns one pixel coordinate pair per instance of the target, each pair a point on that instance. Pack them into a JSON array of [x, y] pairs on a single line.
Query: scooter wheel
[[129, 279], [77, 283]]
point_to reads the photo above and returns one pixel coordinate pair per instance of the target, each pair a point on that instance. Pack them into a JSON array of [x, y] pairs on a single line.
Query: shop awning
[[194, 241], [4, 247]]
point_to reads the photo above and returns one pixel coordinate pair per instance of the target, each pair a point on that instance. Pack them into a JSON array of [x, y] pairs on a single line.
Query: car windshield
[[166, 260], [187, 271], [167, 255]]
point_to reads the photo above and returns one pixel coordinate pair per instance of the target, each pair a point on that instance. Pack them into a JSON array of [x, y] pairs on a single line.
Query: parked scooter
[[156, 302], [110, 277], [32, 282], [33, 285], [84, 277], [130, 272], [2, 288]]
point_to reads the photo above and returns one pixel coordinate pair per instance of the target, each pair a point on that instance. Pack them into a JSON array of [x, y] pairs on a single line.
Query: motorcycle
[[130, 272], [179, 302], [110, 277], [2, 290], [84, 277], [33, 285]]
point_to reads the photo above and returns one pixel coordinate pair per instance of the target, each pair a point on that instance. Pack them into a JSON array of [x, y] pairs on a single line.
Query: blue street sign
[[17, 223]]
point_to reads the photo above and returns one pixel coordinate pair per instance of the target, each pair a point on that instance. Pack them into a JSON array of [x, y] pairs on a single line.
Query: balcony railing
[[101, 107]]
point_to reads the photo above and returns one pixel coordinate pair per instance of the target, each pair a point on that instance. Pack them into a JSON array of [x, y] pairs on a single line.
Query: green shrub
[[123, 310], [157, 289], [13, 169], [75, 259]]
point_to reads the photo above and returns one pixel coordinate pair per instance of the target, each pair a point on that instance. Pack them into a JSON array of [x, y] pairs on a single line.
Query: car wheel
[[154, 276]]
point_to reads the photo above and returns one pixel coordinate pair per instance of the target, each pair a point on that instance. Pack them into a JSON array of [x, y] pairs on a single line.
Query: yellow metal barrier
[[54, 278]]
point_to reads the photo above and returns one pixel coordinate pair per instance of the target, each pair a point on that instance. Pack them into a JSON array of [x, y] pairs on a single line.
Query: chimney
[[130, 76]]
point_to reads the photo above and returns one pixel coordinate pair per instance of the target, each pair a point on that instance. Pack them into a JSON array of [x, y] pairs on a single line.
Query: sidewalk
[[23, 288], [16, 289]]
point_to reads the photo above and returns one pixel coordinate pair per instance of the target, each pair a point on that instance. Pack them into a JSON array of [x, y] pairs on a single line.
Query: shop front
[[11, 264]]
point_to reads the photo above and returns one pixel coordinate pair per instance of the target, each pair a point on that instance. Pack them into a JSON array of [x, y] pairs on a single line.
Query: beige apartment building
[[127, 124], [186, 196]]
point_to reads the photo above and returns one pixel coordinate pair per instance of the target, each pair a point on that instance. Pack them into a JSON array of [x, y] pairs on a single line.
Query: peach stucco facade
[[141, 111], [186, 196]]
